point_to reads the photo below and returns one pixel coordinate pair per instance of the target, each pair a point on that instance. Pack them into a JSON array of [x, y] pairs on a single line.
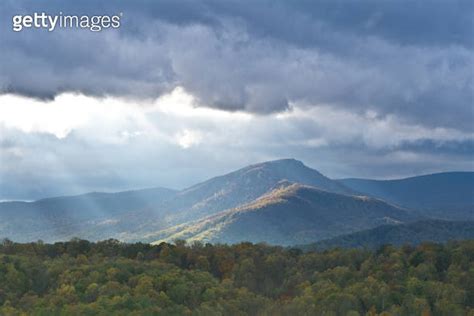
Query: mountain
[[130, 215], [281, 201], [93, 215], [289, 214], [447, 195], [243, 186], [412, 233]]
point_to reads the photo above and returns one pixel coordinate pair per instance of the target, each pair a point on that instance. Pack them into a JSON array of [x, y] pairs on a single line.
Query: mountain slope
[[261, 197], [93, 215], [413, 233], [290, 214], [243, 186], [447, 195], [130, 215]]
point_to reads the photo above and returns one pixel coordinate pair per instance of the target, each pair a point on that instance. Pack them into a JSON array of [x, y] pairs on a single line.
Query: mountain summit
[[247, 184], [295, 171]]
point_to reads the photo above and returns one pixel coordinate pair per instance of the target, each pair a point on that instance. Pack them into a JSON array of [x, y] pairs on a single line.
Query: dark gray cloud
[[409, 58]]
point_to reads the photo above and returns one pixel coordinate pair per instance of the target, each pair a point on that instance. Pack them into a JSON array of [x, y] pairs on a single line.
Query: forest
[[109, 277]]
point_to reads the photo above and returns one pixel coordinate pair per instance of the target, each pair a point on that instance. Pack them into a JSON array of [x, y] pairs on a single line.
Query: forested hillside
[[411, 233], [281, 202], [291, 214], [112, 278], [130, 216]]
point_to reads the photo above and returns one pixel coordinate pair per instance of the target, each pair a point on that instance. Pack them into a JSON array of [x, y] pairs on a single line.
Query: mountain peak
[[286, 162], [247, 184], [284, 169], [291, 170]]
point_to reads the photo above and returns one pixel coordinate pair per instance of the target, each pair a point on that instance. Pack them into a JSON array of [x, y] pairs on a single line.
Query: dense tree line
[[83, 278]]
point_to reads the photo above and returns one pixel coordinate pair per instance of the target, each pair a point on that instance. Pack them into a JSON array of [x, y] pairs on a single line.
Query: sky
[[187, 90]]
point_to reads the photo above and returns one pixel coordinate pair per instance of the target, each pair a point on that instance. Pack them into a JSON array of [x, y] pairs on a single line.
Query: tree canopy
[[109, 277]]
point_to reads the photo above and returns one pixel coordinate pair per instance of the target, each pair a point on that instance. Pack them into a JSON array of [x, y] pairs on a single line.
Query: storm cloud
[[407, 58]]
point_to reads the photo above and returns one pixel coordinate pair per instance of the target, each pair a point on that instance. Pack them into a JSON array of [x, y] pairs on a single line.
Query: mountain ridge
[[286, 215], [138, 215], [447, 195]]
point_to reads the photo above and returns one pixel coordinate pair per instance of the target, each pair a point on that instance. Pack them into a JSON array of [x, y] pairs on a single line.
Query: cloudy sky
[[186, 90]]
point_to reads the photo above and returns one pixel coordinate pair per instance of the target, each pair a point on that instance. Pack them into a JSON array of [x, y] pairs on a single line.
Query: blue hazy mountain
[[438, 231], [448, 195], [95, 204], [132, 215], [336, 207], [94, 215]]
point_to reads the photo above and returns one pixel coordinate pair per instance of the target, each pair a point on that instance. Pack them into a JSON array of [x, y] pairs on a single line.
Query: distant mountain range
[[448, 195], [93, 216], [279, 202], [397, 235]]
